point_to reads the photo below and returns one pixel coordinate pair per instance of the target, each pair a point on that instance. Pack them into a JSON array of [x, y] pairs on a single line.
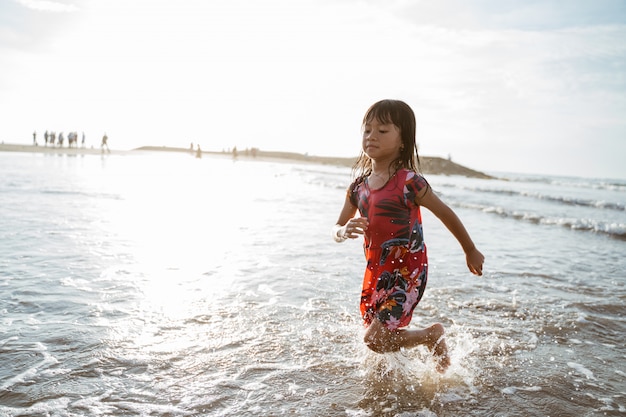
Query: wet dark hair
[[398, 113]]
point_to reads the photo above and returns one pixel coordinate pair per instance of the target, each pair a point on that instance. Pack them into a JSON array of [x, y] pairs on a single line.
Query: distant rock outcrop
[[429, 164], [440, 166]]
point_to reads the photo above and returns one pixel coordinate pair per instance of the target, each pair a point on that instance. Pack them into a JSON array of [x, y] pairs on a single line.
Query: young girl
[[388, 192]]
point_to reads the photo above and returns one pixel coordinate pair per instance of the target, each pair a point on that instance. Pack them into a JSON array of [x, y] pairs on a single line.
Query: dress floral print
[[397, 265]]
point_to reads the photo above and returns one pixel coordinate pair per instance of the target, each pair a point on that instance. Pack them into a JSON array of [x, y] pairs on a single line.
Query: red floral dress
[[397, 264]]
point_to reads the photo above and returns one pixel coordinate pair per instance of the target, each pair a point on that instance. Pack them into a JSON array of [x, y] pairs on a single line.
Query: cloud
[[48, 6]]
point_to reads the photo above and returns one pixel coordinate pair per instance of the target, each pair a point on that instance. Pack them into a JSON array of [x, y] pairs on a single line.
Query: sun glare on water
[[185, 229]]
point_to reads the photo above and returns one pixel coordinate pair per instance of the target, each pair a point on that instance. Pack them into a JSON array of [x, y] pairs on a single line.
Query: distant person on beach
[[105, 144], [35, 138], [198, 152], [388, 192], [71, 139], [235, 154], [83, 140], [45, 137]]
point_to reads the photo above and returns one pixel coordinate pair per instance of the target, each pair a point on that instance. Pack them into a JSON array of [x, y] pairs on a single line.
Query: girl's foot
[[437, 345]]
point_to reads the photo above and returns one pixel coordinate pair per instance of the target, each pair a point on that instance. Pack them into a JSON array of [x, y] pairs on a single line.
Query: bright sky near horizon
[[530, 86]]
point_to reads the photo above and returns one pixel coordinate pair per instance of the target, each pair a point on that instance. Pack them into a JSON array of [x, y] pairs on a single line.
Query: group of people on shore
[[52, 139]]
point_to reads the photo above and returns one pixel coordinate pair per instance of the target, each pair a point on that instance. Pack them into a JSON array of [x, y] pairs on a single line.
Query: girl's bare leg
[[382, 340]]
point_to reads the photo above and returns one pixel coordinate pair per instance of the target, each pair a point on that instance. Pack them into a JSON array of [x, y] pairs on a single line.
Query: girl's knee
[[374, 343], [378, 338]]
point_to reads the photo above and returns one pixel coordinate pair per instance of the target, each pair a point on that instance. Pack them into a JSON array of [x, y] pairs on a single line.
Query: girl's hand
[[475, 261], [354, 227]]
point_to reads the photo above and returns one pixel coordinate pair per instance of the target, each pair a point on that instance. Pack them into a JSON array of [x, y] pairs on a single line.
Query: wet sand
[[55, 149]]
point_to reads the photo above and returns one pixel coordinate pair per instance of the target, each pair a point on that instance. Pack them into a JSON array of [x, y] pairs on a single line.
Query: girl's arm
[[432, 202], [347, 225]]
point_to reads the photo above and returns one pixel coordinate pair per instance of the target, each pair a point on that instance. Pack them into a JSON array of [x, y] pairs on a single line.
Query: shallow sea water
[[157, 284]]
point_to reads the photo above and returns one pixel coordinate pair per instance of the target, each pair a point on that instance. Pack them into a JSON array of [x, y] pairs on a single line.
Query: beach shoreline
[[59, 150], [429, 165]]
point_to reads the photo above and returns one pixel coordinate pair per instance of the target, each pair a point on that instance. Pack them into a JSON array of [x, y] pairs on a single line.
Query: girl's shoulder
[[414, 183], [353, 189], [410, 175]]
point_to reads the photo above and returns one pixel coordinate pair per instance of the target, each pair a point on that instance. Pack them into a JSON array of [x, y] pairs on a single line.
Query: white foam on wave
[[513, 389], [581, 370], [51, 407], [78, 283], [7, 340], [47, 359]]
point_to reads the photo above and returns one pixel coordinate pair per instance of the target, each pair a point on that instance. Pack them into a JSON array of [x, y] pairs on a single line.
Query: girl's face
[[381, 141]]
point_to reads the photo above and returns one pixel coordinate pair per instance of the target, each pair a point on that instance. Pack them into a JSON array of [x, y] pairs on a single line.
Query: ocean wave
[[75, 193], [568, 201], [614, 230], [574, 182]]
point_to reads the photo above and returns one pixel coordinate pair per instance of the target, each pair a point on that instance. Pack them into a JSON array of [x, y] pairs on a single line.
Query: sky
[[527, 86]]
